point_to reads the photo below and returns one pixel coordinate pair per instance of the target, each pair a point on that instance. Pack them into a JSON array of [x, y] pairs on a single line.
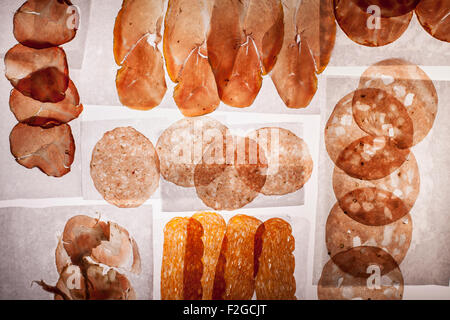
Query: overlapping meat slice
[[309, 36], [45, 23], [141, 81], [52, 150], [244, 41], [434, 16], [389, 8], [41, 74], [365, 27], [46, 114]]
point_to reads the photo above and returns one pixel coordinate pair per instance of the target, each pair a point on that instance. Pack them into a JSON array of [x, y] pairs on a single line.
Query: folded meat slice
[[141, 81], [41, 74], [46, 115], [45, 23], [51, 150], [434, 16]]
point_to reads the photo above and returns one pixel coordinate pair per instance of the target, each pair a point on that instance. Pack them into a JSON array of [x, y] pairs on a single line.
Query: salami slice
[[289, 162], [389, 8], [51, 150], [45, 23], [379, 202], [275, 269], [434, 17], [365, 27], [214, 228], [344, 233], [40, 74], [361, 273], [46, 115], [410, 85], [182, 267], [125, 167]]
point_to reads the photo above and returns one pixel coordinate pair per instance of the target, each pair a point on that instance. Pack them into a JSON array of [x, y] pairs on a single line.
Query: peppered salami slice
[[434, 16], [343, 233], [51, 150], [274, 244], [361, 273], [411, 86], [125, 167], [378, 202], [365, 28], [182, 267], [40, 74], [389, 8]]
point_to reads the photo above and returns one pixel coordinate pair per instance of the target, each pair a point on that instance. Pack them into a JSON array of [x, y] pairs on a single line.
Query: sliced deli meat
[[389, 8], [434, 16]]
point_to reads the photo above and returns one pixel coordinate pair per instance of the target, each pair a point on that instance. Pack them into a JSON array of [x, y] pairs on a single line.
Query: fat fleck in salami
[[434, 16]]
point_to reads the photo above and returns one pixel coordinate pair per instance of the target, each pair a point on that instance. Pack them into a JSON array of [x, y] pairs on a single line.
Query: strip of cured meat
[[238, 272], [389, 8], [366, 28], [434, 16], [45, 23], [182, 267], [52, 150], [125, 167], [186, 28], [378, 202], [289, 162], [343, 233], [410, 85], [181, 146], [361, 273], [275, 245], [214, 228], [141, 81], [244, 40], [40, 74], [36, 113]]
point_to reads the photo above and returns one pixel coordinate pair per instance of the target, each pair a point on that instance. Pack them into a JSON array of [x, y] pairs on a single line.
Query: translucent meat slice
[[389, 8], [434, 16]]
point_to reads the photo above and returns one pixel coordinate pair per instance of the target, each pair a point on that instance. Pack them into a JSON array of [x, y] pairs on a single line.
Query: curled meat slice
[[434, 16], [109, 285], [45, 23], [389, 8], [46, 114], [41, 74], [52, 150]]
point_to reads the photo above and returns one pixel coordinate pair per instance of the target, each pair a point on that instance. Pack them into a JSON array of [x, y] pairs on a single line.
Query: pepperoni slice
[[367, 29], [52, 150], [40, 74], [434, 16], [45, 23], [389, 8], [275, 273], [36, 113]]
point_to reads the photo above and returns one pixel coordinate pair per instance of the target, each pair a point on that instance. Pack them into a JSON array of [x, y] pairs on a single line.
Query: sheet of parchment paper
[[428, 259], [30, 236]]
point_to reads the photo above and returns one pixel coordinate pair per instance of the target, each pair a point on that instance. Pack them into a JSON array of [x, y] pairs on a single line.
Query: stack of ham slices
[[376, 180], [44, 99]]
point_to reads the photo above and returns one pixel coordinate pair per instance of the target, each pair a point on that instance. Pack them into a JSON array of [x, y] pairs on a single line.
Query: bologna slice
[[344, 233], [434, 17], [182, 267], [238, 270], [41, 74], [125, 167], [289, 162], [45, 23], [389, 8], [410, 85], [214, 228], [366, 28], [378, 202], [181, 146], [274, 244], [51, 150], [36, 113], [361, 273]]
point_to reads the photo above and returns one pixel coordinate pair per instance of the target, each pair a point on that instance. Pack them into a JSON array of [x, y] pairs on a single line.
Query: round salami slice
[[411, 86], [361, 273], [40, 74], [289, 162], [434, 17], [181, 146], [389, 8], [344, 233], [378, 202], [366, 28], [125, 167]]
